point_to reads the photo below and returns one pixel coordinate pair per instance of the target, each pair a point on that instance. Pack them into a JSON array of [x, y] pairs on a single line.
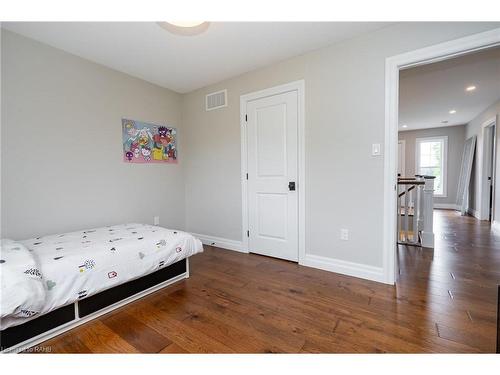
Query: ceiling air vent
[[216, 100]]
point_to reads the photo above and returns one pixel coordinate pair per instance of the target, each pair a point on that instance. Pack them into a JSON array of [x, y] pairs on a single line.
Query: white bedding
[[79, 264], [22, 293]]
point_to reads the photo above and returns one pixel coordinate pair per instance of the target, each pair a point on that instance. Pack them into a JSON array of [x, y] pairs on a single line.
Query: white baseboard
[[221, 242], [362, 271], [447, 206], [495, 227], [474, 213], [452, 206]]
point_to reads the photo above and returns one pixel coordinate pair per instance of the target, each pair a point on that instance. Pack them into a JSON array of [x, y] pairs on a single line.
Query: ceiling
[[186, 63], [427, 93]]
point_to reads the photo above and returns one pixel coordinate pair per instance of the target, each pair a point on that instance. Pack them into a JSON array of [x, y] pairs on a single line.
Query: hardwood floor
[[444, 301]]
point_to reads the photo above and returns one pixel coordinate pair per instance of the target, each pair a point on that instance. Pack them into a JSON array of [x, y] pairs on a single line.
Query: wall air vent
[[216, 100]]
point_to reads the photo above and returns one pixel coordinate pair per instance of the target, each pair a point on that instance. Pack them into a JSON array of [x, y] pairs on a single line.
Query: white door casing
[[487, 168], [272, 167], [401, 162], [401, 157]]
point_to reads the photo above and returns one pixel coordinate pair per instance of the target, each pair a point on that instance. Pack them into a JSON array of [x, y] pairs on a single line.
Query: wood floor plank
[[68, 343], [138, 334], [175, 330], [229, 324], [100, 339], [173, 349]]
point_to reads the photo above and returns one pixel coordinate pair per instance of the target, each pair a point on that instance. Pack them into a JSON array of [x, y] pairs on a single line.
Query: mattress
[[79, 264]]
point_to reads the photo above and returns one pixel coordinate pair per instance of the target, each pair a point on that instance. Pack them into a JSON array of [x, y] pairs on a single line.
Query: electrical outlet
[[156, 220], [344, 234]]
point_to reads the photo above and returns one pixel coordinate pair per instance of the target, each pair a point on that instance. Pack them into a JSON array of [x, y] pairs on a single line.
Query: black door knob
[[291, 186]]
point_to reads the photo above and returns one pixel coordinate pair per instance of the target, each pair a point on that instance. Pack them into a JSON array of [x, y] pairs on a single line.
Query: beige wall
[[456, 139], [62, 165], [475, 127], [345, 91]]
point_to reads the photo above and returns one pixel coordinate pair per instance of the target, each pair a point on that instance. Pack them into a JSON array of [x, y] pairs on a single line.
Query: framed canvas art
[[148, 143]]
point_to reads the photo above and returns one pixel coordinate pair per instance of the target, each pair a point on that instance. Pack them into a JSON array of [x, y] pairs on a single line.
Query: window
[[432, 160]]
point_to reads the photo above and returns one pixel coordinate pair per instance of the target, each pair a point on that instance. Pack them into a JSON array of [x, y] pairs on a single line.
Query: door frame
[[483, 173], [403, 142], [298, 86], [393, 65]]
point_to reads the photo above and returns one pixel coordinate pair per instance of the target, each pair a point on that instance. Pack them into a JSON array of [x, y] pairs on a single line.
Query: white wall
[[62, 165], [475, 127], [345, 91], [456, 139]]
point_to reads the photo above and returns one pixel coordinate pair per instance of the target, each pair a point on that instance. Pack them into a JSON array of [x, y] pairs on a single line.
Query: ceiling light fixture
[[452, 112], [404, 126], [470, 88], [185, 28]]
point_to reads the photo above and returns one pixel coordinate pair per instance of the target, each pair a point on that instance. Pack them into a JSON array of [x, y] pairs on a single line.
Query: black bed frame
[[13, 336]]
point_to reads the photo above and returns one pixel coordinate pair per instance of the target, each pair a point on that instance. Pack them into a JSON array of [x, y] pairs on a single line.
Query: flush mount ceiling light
[[452, 112], [470, 88], [185, 28], [404, 126]]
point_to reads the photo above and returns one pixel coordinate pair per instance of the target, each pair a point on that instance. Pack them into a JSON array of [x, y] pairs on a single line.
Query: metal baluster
[[399, 216], [415, 209]]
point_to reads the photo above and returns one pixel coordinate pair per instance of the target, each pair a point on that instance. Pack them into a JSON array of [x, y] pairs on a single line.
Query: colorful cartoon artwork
[[148, 143]]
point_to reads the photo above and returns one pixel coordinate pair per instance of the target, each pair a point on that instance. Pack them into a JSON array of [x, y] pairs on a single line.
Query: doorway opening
[[445, 111], [394, 66], [441, 110]]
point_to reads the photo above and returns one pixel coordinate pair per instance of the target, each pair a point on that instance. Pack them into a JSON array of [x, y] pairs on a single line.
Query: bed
[[51, 284]]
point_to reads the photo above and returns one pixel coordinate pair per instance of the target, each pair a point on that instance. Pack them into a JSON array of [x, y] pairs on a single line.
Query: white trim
[[495, 227], [444, 167], [243, 176], [187, 268], [403, 170], [344, 267], [223, 243], [483, 176], [79, 321], [447, 206], [473, 212], [298, 86], [393, 64]]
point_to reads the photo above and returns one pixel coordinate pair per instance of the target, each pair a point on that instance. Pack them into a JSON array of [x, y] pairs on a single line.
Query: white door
[[272, 132]]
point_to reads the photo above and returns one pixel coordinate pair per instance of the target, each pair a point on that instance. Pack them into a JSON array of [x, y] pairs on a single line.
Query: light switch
[[376, 151], [344, 234]]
